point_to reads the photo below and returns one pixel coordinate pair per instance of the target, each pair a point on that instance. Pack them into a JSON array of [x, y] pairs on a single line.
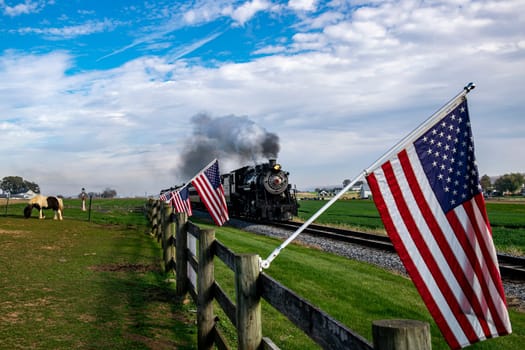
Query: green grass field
[[506, 218], [99, 284]]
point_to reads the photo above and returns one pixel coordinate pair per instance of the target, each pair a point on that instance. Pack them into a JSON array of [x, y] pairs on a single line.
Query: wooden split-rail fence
[[174, 231]]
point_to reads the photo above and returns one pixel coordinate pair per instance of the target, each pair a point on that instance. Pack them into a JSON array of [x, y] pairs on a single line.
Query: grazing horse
[[41, 202]]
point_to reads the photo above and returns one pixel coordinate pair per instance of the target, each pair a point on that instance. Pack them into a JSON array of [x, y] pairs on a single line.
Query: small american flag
[[210, 190], [181, 201], [430, 200], [166, 196]]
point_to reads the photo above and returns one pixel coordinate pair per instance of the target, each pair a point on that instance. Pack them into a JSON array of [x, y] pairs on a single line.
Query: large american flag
[[210, 190], [430, 200], [180, 200]]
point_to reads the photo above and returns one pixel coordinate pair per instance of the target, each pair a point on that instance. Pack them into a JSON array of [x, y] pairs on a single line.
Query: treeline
[[16, 185], [107, 193], [507, 184]]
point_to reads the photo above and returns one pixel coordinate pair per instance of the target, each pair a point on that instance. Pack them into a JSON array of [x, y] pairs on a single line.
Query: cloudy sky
[[100, 94]]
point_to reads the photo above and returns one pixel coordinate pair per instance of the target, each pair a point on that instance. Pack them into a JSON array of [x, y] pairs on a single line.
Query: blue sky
[[101, 94]]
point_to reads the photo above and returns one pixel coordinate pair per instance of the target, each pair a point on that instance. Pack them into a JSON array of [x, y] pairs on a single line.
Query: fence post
[[205, 281], [181, 254], [160, 222], [249, 324], [168, 239], [164, 221], [154, 220], [401, 334]]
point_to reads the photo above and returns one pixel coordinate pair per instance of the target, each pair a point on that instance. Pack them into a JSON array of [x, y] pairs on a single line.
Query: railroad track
[[511, 267]]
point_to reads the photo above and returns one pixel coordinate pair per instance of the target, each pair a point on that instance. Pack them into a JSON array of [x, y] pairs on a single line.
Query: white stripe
[[417, 259]]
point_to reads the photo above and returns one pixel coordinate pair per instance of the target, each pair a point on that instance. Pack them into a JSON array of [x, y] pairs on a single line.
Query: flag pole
[[266, 263], [399, 145]]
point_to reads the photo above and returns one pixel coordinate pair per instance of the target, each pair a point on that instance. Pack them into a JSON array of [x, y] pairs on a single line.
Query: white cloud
[[246, 11], [25, 8], [303, 5], [342, 95], [68, 32]]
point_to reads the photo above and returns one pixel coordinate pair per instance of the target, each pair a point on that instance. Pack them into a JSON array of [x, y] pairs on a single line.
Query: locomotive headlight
[[277, 167]]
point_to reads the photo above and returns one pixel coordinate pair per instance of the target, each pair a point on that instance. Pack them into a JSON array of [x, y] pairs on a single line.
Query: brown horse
[[41, 202]]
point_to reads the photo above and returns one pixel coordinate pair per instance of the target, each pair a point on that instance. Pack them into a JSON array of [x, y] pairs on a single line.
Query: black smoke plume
[[235, 140]]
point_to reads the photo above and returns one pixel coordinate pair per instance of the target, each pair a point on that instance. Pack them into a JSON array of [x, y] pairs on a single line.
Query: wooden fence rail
[[182, 255]]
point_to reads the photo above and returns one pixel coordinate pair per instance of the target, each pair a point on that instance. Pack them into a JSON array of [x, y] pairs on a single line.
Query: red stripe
[[408, 263]]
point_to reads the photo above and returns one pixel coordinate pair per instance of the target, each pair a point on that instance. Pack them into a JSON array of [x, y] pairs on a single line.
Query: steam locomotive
[[260, 192]]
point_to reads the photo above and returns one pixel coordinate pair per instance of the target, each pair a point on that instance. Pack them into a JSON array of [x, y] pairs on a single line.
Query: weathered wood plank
[[268, 344], [220, 340], [193, 229], [322, 328], [225, 303], [225, 254]]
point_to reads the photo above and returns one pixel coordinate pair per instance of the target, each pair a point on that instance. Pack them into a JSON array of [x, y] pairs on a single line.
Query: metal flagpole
[[266, 263], [396, 148]]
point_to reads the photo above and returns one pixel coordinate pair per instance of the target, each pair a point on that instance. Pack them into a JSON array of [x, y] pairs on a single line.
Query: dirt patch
[[154, 344], [87, 318], [10, 318], [13, 232], [125, 267]]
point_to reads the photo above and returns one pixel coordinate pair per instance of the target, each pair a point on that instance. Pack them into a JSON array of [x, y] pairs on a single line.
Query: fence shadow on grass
[[140, 300]]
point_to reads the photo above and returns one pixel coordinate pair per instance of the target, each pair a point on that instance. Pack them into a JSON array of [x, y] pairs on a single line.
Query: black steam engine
[[261, 192]]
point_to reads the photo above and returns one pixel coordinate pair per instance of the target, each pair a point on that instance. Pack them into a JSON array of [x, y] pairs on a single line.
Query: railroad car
[[259, 192]]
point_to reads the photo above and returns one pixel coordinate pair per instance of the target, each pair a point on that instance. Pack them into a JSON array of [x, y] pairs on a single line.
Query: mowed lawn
[[99, 285], [83, 285]]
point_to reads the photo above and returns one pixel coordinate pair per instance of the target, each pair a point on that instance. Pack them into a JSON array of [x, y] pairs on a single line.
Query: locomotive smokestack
[[272, 162]]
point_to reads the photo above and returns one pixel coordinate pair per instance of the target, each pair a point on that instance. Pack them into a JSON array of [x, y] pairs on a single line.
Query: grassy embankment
[[98, 284]]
